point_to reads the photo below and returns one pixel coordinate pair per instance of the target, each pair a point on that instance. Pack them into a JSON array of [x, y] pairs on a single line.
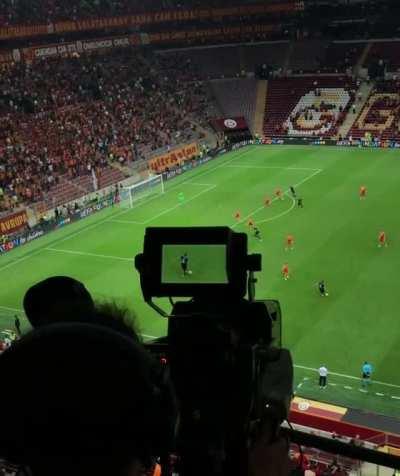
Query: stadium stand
[[273, 54], [236, 97], [320, 463], [305, 55], [213, 62], [30, 11], [307, 106], [386, 51], [64, 118], [340, 56], [381, 114]]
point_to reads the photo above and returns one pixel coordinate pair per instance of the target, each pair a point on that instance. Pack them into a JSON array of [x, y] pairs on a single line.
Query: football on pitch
[[190, 272]]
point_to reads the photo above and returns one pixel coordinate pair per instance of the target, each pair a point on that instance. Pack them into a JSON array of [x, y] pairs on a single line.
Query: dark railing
[[349, 450]]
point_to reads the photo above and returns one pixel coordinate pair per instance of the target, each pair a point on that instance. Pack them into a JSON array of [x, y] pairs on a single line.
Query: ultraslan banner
[[151, 18], [173, 158], [13, 223]]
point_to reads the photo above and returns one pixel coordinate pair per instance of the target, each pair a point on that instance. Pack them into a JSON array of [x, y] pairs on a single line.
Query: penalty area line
[[178, 205], [257, 210]]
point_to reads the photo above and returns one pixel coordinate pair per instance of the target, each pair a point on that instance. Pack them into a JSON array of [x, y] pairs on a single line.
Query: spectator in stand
[[72, 115], [55, 299], [311, 470], [96, 401]]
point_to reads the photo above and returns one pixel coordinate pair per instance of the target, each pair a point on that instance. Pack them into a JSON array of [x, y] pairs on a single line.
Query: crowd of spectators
[[74, 115], [381, 114], [303, 465], [14, 12]]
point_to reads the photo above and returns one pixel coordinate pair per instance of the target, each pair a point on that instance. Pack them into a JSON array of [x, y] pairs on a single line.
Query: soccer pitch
[[335, 240]]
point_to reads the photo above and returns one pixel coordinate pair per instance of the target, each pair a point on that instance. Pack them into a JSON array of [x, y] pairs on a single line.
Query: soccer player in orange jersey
[[363, 192], [289, 242], [285, 271], [250, 223], [382, 241], [279, 194], [237, 215], [267, 201]]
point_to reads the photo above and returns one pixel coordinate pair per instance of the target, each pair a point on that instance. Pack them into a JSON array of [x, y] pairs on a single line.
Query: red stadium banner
[[226, 124], [13, 223], [151, 18], [6, 57], [8, 32], [222, 32], [174, 157], [87, 46]]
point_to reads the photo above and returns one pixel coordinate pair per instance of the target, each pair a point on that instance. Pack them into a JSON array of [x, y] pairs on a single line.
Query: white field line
[[148, 336], [122, 212], [296, 366], [245, 166], [257, 210], [21, 310], [132, 222], [280, 215], [93, 255], [127, 222], [60, 240], [197, 184], [168, 210], [19, 260], [347, 376], [13, 309]]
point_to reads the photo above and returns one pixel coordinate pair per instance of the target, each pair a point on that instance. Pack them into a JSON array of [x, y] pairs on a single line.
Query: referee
[[323, 375]]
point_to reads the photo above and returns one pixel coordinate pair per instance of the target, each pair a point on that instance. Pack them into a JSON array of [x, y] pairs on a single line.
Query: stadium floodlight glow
[[130, 194]]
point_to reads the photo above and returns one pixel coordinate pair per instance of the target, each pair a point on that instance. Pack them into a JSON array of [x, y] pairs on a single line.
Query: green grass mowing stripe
[[346, 376], [13, 309], [227, 159], [350, 397], [147, 336], [336, 240], [257, 210], [84, 253]]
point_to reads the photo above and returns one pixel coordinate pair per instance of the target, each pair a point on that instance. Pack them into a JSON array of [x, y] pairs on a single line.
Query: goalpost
[[130, 194]]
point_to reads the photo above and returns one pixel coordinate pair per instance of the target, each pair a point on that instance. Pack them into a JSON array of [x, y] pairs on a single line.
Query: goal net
[[150, 187]]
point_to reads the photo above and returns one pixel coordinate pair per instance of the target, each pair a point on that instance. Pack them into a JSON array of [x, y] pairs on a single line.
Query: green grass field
[[335, 239], [207, 261]]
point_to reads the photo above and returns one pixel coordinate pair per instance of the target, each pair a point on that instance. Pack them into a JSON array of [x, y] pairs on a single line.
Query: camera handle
[[251, 286]]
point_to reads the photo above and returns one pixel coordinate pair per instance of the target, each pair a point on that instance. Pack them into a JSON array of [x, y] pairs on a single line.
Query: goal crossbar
[[140, 190]]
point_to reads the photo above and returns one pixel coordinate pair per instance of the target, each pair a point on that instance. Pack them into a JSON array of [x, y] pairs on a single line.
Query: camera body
[[223, 349]]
